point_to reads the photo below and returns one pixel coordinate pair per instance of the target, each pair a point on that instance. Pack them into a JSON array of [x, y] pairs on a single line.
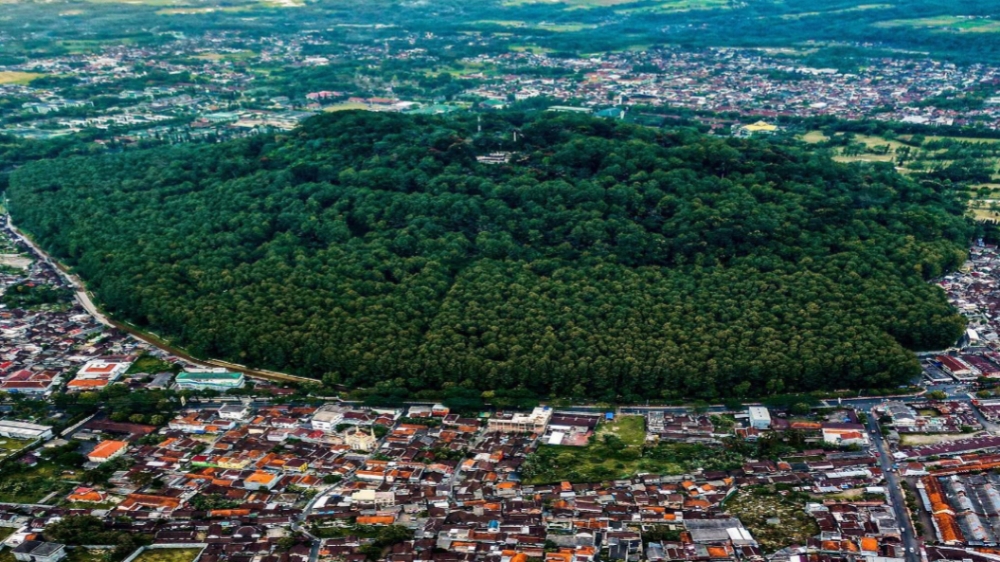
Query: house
[[760, 418], [107, 450], [845, 434], [234, 412], [261, 480], [39, 551]]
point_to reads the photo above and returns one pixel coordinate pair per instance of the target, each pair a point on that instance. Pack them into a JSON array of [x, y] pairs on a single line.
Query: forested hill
[[605, 260]]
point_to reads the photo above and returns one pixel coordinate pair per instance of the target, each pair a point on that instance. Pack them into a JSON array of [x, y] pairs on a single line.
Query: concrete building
[[760, 418], [38, 551], [24, 430], [518, 422], [210, 380], [107, 450], [234, 412], [328, 417]]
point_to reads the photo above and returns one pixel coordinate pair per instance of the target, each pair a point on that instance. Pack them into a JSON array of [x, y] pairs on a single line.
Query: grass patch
[[33, 484], [9, 446], [17, 77], [630, 429], [152, 365], [84, 555], [946, 24], [676, 6], [861, 8], [546, 26], [530, 49], [235, 57], [618, 450], [346, 106], [754, 506], [813, 137], [168, 555]]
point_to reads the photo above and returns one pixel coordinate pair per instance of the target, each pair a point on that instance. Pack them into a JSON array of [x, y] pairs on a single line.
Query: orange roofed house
[[107, 450]]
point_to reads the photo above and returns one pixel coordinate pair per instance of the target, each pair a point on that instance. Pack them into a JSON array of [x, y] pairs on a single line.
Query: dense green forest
[[605, 260]]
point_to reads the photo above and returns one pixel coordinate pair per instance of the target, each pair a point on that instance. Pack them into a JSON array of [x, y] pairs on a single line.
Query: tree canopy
[[603, 260]]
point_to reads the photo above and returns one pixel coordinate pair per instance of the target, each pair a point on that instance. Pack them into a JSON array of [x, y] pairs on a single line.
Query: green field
[[861, 8], [946, 24], [921, 157], [235, 57], [33, 484], [150, 364], [17, 77], [547, 26], [9, 446], [168, 555], [346, 106]]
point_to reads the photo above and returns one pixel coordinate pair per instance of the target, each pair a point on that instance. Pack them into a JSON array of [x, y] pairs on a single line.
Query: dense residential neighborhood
[[115, 445], [209, 89], [244, 471]]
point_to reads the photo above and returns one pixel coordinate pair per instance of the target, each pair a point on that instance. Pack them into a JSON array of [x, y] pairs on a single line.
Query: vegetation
[[151, 364], [776, 518], [90, 530], [618, 450], [27, 295], [168, 555], [610, 261]]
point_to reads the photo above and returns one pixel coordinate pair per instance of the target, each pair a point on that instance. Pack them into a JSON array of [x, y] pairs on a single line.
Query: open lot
[[912, 440], [168, 555], [618, 450], [345, 106], [10, 446], [150, 364], [755, 506], [237, 56], [17, 77], [32, 484]]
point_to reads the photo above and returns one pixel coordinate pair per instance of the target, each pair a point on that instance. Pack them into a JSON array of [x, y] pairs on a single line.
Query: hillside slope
[[606, 260]]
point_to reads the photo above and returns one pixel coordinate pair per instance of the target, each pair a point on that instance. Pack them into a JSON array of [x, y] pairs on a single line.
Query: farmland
[[914, 154], [18, 77]]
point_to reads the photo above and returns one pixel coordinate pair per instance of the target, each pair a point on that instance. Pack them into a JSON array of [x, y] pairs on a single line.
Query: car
[[910, 550]]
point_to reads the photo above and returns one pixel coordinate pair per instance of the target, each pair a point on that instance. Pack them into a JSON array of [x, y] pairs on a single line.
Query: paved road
[[895, 492]]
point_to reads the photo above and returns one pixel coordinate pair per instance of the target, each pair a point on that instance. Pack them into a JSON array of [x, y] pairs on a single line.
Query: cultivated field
[[17, 77], [947, 24]]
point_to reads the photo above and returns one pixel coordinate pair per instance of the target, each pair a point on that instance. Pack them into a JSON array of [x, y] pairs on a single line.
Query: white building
[[234, 412], [328, 417], [760, 418], [24, 430], [519, 422]]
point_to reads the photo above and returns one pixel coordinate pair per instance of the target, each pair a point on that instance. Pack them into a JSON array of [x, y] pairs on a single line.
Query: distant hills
[[833, 33]]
